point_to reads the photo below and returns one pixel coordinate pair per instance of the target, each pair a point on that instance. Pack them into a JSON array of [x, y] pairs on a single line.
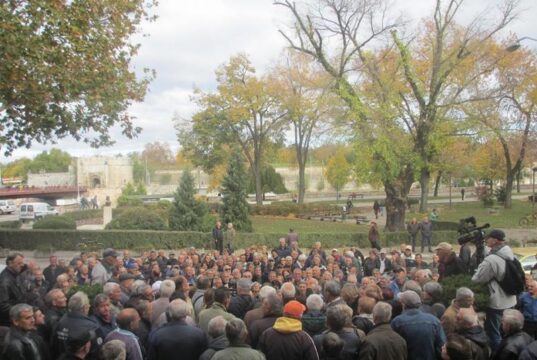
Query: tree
[[187, 213], [53, 161], [338, 171], [511, 120], [158, 155], [66, 70], [439, 66], [244, 111], [305, 98], [271, 181], [235, 207], [17, 168]]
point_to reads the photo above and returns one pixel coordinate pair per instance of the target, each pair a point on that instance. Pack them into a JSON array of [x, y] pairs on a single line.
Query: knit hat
[[294, 309]]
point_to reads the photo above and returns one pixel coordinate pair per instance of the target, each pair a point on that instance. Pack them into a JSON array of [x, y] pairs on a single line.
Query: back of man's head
[[288, 291], [177, 310], [382, 313], [126, 317], [216, 327], [79, 302], [332, 289], [236, 331], [221, 295]]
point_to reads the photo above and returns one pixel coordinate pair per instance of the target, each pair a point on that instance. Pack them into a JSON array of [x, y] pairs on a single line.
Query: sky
[[190, 39]]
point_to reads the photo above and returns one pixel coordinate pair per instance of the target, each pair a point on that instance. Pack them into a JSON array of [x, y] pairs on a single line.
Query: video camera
[[470, 232]]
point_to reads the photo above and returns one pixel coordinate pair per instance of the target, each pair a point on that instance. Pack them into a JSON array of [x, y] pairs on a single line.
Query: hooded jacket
[[490, 271], [216, 344], [478, 341], [512, 345], [286, 340]]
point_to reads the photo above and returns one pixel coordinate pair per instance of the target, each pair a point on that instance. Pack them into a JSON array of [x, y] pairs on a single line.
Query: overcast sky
[[190, 39]]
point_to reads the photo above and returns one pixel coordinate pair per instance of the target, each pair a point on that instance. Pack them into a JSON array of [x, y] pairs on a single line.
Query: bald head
[[128, 319]]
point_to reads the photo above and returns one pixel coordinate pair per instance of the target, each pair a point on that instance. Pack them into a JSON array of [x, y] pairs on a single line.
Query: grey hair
[[412, 286], [236, 331], [49, 297], [114, 350], [514, 319], [464, 293], [243, 286], [274, 304], [382, 313], [167, 288], [338, 316], [78, 302], [332, 288], [216, 326], [140, 290], [314, 302], [302, 257], [16, 310], [428, 274], [109, 288], [266, 291], [100, 299], [469, 317], [288, 290], [434, 290], [178, 309]]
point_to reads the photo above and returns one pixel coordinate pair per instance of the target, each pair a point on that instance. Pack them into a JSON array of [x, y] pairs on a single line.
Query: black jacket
[[52, 316], [350, 337], [530, 353], [177, 339], [258, 327], [452, 266], [240, 305], [18, 346], [71, 324], [10, 294], [512, 346], [478, 341], [215, 345]]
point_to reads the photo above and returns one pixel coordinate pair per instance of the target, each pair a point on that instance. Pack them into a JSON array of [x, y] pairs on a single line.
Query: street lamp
[[517, 45]]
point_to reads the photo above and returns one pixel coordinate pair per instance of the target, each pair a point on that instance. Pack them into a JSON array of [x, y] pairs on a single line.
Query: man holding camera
[[490, 272]]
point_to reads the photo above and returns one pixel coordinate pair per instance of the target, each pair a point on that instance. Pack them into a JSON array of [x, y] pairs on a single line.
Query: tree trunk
[[395, 209], [301, 182], [518, 176], [508, 204], [425, 176], [437, 183]]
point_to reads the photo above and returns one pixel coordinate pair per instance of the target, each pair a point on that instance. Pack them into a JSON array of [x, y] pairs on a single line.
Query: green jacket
[[215, 310], [238, 352]]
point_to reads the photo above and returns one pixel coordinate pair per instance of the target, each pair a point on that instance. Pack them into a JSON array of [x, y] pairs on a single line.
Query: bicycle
[[526, 220]]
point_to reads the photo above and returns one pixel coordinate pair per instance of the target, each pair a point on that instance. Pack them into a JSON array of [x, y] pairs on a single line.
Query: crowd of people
[[259, 303]]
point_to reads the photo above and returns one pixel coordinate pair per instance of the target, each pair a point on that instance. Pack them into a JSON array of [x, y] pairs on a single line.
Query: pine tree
[[234, 192], [187, 213]]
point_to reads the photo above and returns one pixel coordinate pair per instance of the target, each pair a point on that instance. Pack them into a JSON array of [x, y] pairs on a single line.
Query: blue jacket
[[423, 333], [528, 306]]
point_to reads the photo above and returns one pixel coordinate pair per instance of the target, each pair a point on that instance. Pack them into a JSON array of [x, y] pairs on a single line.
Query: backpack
[[514, 278]]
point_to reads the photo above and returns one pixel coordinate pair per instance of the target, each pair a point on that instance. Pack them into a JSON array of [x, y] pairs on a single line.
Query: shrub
[[90, 290], [55, 222], [187, 213], [10, 225], [138, 218], [145, 239], [129, 201], [84, 214], [500, 194], [452, 283]]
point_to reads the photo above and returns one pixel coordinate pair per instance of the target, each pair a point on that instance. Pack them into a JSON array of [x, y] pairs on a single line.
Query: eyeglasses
[[227, 269]]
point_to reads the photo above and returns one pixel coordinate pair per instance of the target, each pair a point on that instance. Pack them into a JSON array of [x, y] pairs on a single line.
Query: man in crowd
[[450, 263], [236, 334], [52, 271], [514, 339], [20, 342], [176, 338], [382, 343], [222, 297], [243, 302], [217, 337], [422, 332], [128, 320], [286, 339], [468, 327], [464, 298], [10, 293], [489, 272]]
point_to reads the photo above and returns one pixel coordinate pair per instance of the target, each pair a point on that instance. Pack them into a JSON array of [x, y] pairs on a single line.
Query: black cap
[[126, 276], [77, 338], [496, 234], [110, 252]]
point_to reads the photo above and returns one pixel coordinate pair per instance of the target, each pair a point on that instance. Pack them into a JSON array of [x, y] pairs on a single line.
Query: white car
[[36, 210], [7, 207]]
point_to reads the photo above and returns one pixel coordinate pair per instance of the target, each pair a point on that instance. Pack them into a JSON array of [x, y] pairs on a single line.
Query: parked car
[[36, 210], [7, 207]]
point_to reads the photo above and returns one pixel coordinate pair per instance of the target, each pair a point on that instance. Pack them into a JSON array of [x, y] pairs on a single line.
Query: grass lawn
[[281, 225], [504, 218]]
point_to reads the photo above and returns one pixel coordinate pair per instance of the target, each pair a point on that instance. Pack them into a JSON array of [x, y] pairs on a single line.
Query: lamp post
[[517, 45]]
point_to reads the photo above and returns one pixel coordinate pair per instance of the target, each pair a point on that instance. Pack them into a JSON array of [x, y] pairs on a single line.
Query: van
[[36, 210], [7, 207]]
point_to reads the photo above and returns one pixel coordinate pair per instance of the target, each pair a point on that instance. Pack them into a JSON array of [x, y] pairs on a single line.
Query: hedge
[[85, 214], [55, 222], [146, 239]]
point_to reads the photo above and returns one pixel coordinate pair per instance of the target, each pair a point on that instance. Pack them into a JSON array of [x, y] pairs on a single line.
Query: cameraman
[[489, 272]]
